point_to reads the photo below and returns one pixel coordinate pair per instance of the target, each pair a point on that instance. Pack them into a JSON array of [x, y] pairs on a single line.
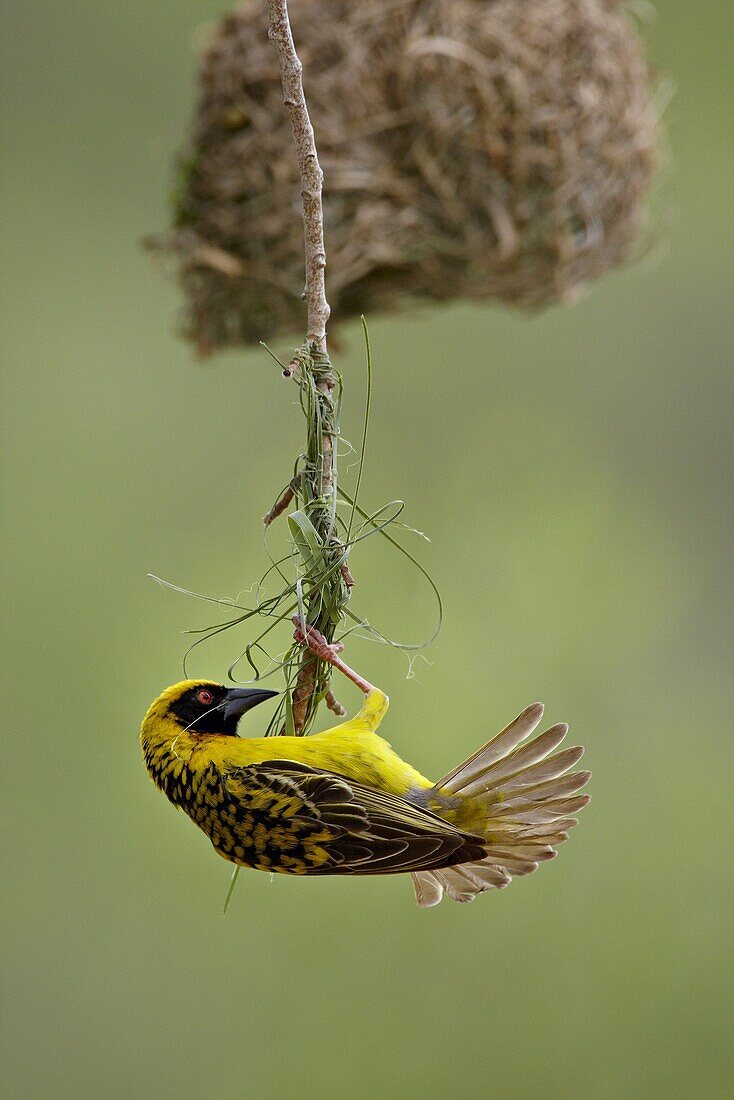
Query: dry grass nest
[[475, 149]]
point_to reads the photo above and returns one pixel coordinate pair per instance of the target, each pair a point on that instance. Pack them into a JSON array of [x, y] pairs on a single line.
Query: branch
[[322, 486], [308, 165]]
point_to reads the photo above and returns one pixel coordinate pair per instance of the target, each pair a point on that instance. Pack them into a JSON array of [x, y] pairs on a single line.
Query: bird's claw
[[316, 642]]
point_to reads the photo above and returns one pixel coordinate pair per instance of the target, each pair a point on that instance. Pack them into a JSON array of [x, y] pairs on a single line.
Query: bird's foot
[[316, 642], [329, 652]]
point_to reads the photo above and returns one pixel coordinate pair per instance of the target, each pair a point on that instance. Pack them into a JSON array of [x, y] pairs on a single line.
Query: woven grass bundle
[[475, 149]]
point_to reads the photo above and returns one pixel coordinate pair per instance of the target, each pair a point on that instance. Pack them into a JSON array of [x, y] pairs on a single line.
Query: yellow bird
[[342, 802]]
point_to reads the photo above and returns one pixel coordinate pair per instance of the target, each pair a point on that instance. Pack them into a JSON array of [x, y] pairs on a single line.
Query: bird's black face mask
[[211, 708]]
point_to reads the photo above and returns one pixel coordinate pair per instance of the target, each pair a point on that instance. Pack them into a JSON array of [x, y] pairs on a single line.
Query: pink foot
[[319, 646], [316, 642]]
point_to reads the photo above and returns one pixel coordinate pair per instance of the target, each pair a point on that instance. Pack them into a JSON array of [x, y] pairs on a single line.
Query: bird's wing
[[308, 814]]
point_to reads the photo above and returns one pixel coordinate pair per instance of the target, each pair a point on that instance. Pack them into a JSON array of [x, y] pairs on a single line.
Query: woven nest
[[475, 149]]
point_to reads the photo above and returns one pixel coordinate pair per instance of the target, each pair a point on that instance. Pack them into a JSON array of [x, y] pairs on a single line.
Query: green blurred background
[[573, 471]]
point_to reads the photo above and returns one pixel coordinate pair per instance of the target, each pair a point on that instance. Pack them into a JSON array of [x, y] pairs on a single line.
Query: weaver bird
[[342, 802]]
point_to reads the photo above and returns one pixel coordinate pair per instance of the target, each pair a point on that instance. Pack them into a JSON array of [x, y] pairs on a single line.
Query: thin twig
[[291, 71], [281, 504], [312, 182], [333, 704], [347, 574], [309, 168]]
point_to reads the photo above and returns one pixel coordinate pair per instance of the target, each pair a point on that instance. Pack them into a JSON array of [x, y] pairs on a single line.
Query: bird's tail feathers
[[526, 794]]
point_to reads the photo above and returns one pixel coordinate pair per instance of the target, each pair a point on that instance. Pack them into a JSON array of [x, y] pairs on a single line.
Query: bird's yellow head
[[204, 707]]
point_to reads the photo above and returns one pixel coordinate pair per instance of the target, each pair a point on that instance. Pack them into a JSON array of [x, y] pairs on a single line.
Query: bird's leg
[[329, 652], [376, 702]]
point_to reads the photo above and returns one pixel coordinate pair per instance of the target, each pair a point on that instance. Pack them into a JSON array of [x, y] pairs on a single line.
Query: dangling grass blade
[[290, 727], [197, 595], [230, 891], [273, 355], [365, 426], [308, 543], [406, 553]]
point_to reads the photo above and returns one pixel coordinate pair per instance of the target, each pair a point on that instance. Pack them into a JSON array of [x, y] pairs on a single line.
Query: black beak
[[238, 700]]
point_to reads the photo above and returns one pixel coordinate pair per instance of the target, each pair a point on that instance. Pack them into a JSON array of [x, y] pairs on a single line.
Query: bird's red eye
[[205, 697]]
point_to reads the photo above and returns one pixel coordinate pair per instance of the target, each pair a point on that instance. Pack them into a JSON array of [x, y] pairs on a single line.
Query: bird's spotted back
[[249, 822]]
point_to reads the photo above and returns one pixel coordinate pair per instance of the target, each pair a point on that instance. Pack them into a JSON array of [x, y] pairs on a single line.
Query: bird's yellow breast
[[353, 752]]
